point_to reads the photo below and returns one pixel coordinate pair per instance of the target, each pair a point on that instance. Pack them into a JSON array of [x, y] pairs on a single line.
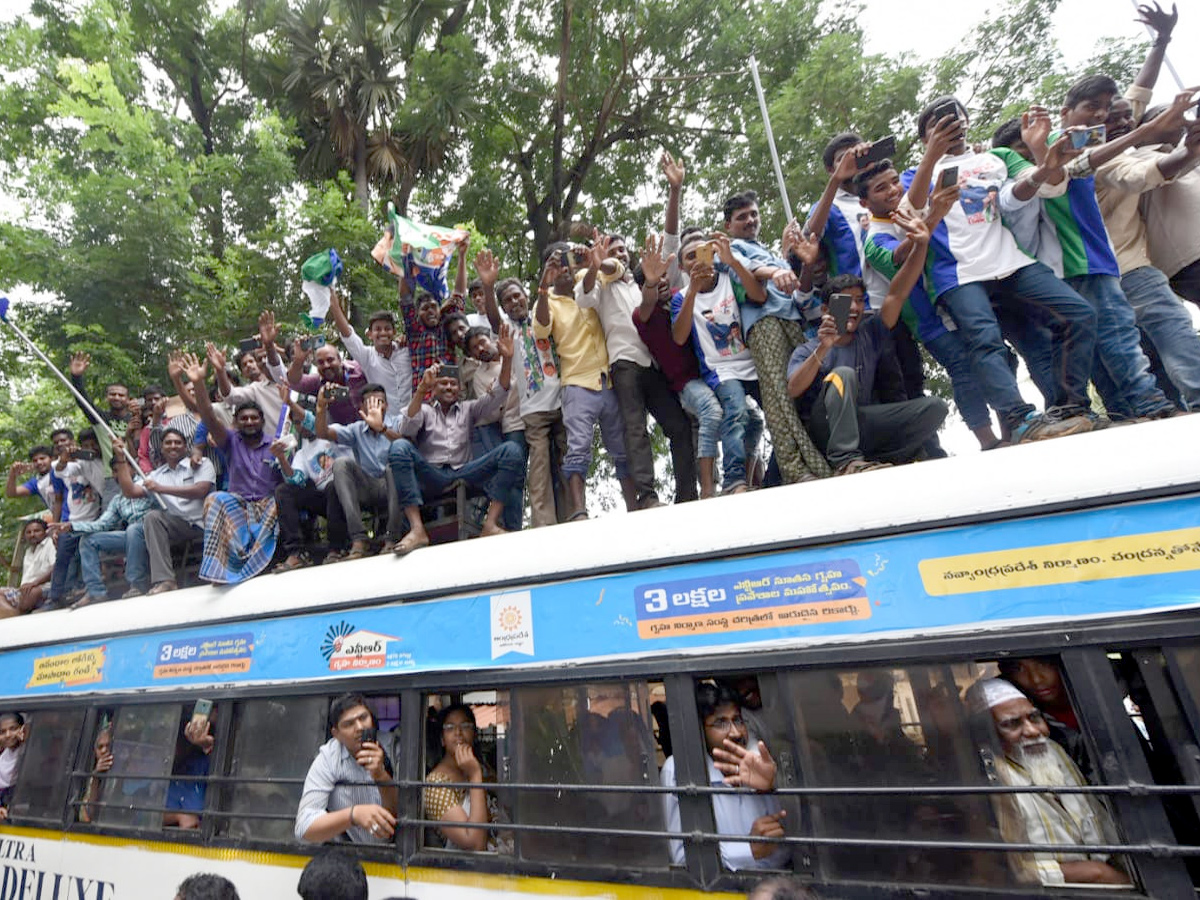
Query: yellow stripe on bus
[[550, 887]]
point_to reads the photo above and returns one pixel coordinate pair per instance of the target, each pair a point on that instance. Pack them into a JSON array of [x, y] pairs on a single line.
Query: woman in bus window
[[459, 763], [102, 750], [185, 799]]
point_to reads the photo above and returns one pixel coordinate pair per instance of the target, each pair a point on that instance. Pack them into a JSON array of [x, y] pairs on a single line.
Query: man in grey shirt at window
[[342, 794]]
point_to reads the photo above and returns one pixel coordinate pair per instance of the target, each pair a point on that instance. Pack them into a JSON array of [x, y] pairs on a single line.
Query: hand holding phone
[[948, 177], [369, 736], [884, 148], [839, 308]]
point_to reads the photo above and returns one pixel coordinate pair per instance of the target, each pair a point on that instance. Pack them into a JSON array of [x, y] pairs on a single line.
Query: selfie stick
[[762, 105], [83, 401], [1167, 62]]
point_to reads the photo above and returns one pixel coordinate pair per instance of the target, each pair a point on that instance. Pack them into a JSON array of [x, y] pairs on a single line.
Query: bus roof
[[1155, 459]]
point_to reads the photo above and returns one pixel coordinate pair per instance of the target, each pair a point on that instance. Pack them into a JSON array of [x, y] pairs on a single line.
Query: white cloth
[[1120, 184], [393, 372], [10, 759], [185, 474], [84, 479], [266, 395], [480, 377], [315, 459], [319, 297], [718, 328], [1172, 213], [535, 368], [38, 561], [734, 815], [615, 300]]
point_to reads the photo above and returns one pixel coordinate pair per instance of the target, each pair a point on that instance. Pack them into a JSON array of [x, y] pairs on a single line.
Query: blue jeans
[[1121, 371], [1168, 324], [950, 351], [741, 430], [131, 542], [1032, 292], [699, 400], [514, 504], [582, 410], [496, 472]]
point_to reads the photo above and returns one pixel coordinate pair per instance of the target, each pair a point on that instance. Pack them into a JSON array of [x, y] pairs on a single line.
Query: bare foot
[[414, 540], [489, 530]]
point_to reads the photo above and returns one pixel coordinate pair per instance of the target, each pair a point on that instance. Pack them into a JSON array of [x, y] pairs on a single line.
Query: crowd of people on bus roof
[[1021, 722], [1069, 241]]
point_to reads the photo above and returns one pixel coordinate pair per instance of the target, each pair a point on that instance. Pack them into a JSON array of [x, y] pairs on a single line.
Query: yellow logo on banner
[[1157, 553], [68, 669]]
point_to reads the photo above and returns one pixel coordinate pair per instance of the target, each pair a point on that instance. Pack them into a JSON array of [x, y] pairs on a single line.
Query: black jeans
[[642, 389], [890, 432], [292, 500]]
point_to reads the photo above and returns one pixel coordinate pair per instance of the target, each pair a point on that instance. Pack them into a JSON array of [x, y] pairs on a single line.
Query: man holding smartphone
[[831, 372], [347, 790]]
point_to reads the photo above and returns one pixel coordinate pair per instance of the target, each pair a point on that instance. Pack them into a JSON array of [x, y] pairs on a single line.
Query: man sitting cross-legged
[[440, 448], [831, 372]]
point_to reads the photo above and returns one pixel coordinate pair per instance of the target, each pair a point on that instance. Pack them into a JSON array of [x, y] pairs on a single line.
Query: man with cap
[[1028, 757]]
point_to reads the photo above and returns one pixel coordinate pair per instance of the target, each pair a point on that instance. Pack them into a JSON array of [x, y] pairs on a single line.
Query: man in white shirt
[[386, 361], [732, 764], [608, 287], [36, 570], [182, 485]]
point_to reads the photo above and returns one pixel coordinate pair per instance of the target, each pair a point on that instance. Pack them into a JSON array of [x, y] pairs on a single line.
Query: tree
[[370, 93]]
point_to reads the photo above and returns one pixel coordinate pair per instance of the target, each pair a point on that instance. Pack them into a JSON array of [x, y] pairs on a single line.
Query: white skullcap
[[989, 692]]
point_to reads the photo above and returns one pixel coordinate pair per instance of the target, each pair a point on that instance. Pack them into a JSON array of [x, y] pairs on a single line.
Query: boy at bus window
[[830, 373], [13, 733], [185, 799], [1018, 746], [37, 569], [732, 763], [346, 791], [42, 483]]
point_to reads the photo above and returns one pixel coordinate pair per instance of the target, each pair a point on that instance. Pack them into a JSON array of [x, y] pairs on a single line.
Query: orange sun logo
[[510, 618]]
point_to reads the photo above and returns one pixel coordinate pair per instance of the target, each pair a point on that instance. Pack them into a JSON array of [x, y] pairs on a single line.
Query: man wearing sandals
[[832, 371]]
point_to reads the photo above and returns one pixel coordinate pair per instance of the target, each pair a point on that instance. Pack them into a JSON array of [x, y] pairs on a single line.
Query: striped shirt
[[335, 781]]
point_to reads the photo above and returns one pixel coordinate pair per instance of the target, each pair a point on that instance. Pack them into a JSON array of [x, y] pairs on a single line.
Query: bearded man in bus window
[[343, 794], [1028, 757], [732, 763]]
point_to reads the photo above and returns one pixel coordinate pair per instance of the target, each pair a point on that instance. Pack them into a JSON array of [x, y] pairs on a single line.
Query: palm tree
[[350, 72]]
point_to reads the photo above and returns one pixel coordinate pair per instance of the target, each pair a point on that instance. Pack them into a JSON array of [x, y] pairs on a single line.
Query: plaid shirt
[[117, 516], [427, 345]]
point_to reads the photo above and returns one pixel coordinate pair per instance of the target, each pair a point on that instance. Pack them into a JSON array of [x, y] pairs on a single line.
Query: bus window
[[598, 733], [98, 763], [143, 749], [1041, 679], [194, 742], [462, 736], [43, 781], [274, 738], [893, 727]]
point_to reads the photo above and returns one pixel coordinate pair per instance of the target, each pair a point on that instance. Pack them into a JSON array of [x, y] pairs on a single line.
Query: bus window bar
[[202, 813], [1131, 790], [1153, 850], [1156, 850]]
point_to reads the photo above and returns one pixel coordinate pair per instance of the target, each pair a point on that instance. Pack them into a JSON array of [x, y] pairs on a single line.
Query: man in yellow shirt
[[588, 397]]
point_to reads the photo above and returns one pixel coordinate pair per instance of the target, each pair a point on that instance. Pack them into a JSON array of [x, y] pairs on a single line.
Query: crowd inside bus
[[985, 724], [1062, 242]]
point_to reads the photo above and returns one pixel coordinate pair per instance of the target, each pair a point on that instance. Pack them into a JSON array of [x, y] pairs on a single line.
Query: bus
[[855, 611]]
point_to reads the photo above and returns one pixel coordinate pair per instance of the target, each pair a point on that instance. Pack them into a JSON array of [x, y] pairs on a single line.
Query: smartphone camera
[[84, 455], [337, 393], [311, 342], [369, 736], [249, 345]]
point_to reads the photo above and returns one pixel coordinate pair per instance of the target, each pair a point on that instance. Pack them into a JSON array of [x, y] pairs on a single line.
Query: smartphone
[[249, 345], [578, 256], [336, 393], [948, 177], [839, 308], [201, 712], [369, 736], [884, 148], [84, 455], [948, 108], [307, 401], [449, 372], [312, 342], [1088, 137], [704, 254]]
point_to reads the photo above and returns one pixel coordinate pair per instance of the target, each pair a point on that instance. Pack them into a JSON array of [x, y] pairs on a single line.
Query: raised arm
[[944, 134], [1163, 24], [755, 292], [488, 270], [296, 368], [79, 365], [681, 328], [12, 490], [675, 175], [196, 372], [845, 169], [902, 285], [1162, 129], [216, 356], [268, 332], [322, 428], [654, 270], [504, 343], [338, 315], [542, 310]]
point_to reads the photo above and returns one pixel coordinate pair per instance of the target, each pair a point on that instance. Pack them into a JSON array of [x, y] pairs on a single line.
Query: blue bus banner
[[1124, 560]]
